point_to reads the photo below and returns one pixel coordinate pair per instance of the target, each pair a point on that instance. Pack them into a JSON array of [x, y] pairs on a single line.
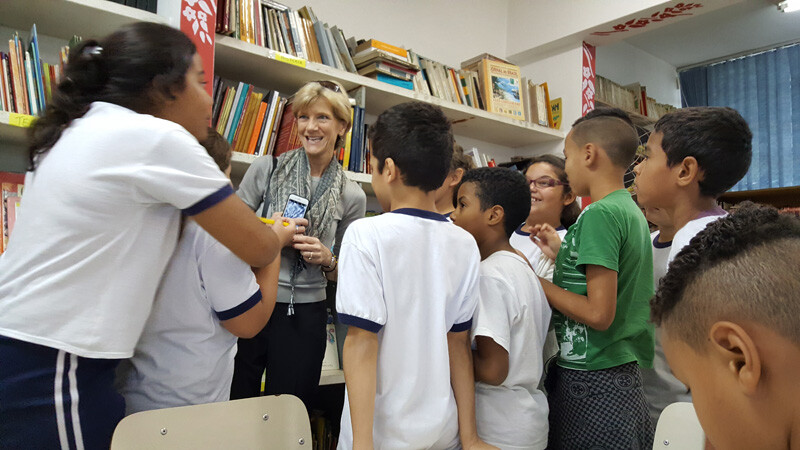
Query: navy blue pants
[[53, 399]]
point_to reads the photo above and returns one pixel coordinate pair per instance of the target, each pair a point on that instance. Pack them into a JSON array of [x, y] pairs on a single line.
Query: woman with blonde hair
[[292, 345]]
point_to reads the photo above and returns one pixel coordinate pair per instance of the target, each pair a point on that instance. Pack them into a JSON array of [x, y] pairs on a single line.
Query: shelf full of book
[[239, 60]]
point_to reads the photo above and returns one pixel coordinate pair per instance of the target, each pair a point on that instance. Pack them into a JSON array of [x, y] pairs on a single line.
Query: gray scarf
[[292, 175]]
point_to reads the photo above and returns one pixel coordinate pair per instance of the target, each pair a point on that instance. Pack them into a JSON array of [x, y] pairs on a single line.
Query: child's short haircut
[[505, 187], [617, 137], [606, 112], [219, 149], [741, 267], [460, 160], [419, 139], [717, 137]]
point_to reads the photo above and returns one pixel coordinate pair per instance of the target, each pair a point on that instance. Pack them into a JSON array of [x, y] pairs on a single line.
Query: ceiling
[[741, 27]]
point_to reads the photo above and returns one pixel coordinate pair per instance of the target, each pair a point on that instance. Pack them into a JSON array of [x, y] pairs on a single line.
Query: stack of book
[[275, 26], [11, 187], [26, 82], [385, 62]]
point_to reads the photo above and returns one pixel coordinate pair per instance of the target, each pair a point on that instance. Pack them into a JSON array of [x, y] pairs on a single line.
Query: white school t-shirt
[[661, 252], [98, 223], [513, 312], [542, 265], [690, 230], [185, 355], [660, 386], [411, 277]]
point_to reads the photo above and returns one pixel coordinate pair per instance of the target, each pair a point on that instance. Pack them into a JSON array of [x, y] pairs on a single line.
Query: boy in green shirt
[[601, 287]]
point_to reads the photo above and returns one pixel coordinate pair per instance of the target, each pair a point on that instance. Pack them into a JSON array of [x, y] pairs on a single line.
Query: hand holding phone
[[296, 207]]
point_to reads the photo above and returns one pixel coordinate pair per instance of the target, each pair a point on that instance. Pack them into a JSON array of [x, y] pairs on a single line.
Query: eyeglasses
[[329, 85], [546, 182]]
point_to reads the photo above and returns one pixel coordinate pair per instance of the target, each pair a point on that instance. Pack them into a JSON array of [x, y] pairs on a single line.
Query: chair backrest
[[279, 422], [679, 429]]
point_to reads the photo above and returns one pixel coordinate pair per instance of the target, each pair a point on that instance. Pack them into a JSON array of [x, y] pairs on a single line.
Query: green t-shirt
[[612, 233]]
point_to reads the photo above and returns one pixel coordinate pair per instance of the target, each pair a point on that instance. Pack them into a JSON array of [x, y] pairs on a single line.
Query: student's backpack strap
[[265, 199]]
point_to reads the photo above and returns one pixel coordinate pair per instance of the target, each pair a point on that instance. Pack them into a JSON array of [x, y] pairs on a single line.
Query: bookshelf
[[778, 197], [638, 119]]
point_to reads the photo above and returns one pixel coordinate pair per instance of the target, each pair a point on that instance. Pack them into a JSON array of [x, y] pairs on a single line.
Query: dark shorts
[[52, 399], [598, 409]]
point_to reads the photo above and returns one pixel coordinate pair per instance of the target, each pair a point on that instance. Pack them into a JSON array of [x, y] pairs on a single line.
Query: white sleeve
[[465, 309], [359, 293], [495, 312], [229, 283], [179, 171]]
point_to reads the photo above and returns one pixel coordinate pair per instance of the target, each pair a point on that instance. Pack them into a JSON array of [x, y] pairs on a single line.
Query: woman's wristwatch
[[332, 265]]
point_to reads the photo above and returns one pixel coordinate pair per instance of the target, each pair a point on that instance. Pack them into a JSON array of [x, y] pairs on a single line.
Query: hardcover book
[[500, 86]]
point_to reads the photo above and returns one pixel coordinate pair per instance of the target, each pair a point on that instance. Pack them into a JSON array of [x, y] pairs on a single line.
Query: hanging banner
[[197, 19], [587, 79]]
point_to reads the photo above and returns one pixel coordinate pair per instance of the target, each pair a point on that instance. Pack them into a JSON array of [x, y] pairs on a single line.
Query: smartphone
[[296, 207]]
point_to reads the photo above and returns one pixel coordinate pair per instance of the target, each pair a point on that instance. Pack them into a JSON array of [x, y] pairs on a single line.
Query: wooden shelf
[[65, 18], [238, 60], [777, 197]]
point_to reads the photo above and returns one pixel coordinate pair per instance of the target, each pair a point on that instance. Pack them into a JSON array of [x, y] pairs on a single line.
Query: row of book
[[632, 97], [261, 122], [295, 32], [11, 188], [26, 82], [485, 81]]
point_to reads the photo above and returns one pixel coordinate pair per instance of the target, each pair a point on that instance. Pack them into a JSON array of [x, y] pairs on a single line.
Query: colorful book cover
[[37, 66], [374, 43], [393, 81], [501, 88]]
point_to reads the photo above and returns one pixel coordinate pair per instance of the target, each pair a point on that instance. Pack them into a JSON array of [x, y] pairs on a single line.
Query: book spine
[[322, 41], [31, 85], [401, 52], [4, 87], [273, 139], [259, 125]]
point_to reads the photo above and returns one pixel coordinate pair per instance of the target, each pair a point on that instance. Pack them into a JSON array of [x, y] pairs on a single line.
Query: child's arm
[[490, 360], [463, 384], [360, 360], [234, 225], [596, 309], [248, 324]]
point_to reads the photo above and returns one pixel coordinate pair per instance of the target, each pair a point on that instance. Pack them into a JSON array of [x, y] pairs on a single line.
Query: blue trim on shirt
[[359, 322], [421, 213], [223, 193], [241, 308], [657, 244], [522, 233], [463, 326]]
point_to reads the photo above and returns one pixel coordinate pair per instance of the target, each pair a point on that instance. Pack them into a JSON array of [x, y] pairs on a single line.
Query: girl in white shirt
[[114, 162]]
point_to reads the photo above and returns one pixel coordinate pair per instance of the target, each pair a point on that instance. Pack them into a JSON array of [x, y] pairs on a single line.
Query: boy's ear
[[735, 348], [495, 215], [455, 177], [569, 197], [589, 154], [390, 170], [689, 171]]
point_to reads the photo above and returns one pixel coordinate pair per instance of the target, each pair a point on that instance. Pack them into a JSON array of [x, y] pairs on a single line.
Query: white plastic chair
[[679, 429], [276, 422]]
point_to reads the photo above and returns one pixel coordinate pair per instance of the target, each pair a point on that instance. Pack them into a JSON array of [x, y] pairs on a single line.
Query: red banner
[[198, 19], [587, 79]]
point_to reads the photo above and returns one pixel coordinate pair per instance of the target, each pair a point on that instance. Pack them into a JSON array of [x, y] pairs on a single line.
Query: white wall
[[626, 64], [448, 31], [534, 23]]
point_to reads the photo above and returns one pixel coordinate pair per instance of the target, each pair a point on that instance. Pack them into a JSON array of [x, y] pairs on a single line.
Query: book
[[388, 69], [468, 64], [322, 41], [500, 86], [344, 52], [337, 59], [376, 44], [258, 128], [370, 55], [287, 132], [536, 100], [37, 67], [555, 112], [546, 95], [406, 84]]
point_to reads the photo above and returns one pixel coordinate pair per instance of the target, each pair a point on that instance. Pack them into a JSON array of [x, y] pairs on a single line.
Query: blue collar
[[421, 213]]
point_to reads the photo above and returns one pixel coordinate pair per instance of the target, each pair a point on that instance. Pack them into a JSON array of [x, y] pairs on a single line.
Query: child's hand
[[285, 228], [547, 239]]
